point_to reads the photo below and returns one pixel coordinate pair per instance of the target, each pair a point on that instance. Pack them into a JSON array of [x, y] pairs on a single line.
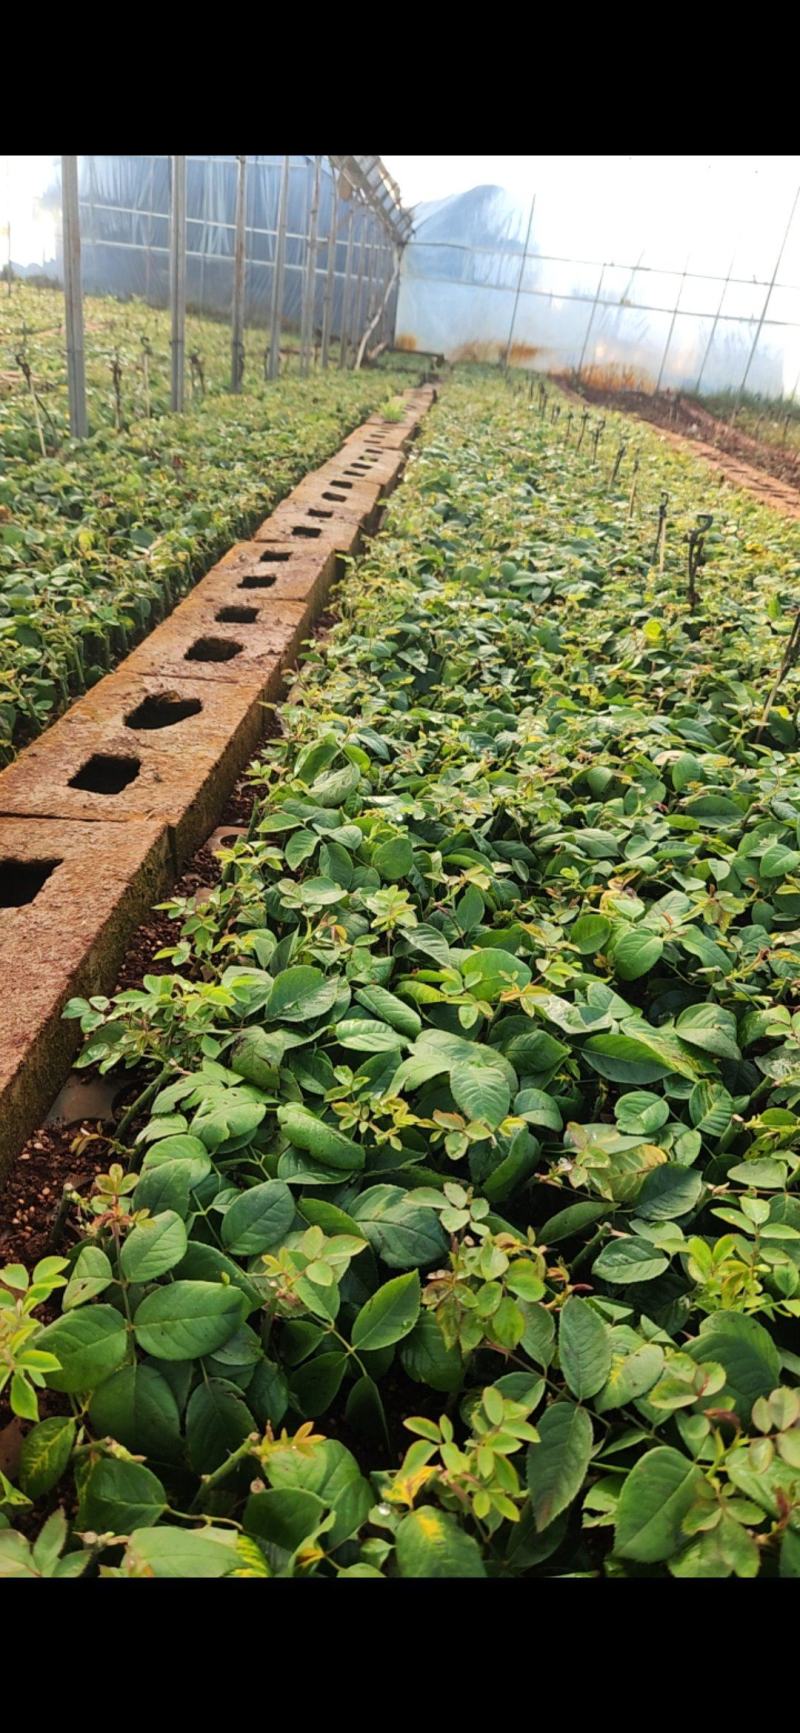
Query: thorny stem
[[789, 658], [141, 1101]]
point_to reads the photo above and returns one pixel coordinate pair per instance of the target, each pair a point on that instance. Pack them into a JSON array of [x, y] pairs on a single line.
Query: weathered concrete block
[[71, 894], [252, 650], [359, 504], [382, 472], [141, 747], [287, 524], [259, 574]]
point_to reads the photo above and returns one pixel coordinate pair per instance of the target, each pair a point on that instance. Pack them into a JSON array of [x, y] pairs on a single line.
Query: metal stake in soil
[[661, 533], [632, 498], [696, 539], [790, 656]]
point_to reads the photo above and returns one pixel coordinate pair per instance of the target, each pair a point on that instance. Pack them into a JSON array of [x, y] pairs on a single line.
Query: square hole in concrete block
[[338, 497], [162, 710], [237, 616], [22, 880], [342, 483], [258, 581], [271, 559], [314, 511], [104, 773], [213, 650], [305, 530]]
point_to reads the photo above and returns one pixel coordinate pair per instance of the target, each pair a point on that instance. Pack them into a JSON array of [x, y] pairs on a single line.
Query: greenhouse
[[400, 867]]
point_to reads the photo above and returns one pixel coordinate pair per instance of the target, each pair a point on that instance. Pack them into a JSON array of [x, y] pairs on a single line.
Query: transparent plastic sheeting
[[124, 214], [700, 242]]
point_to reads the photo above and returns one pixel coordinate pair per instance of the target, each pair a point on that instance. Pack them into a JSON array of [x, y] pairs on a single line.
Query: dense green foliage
[[99, 539], [131, 334], [474, 1111]]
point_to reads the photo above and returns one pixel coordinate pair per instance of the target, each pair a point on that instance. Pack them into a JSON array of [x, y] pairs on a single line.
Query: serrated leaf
[[556, 1466], [583, 1347], [656, 1496]]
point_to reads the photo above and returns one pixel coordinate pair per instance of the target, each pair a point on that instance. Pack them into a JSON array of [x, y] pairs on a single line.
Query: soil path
[[700, 436]]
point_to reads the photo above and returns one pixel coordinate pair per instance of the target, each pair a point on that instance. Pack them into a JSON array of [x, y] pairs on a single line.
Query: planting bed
[[156, 748], [748, 450], [100, 539], [456, 1233]]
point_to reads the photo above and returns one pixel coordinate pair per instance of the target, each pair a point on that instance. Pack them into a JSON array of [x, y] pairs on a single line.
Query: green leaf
[[368, 1035], [284, 1516], [640, 1111], [184, 1149], [45, 1454], [710, 1108], [556, 1466], [16, 1559], [711, 1028], [656, 1496], [629, 1260], [315, 1384], [489, 973], [137, 1407], [391, 1010], [331, 1471], [481, 1092], [583, 1347], [217, 1422], [299, 847], [90, 1345], [762, 1171], [790, 1555], [404, 1234], [540, 1334], [590, 933], [668, 1191], [430, 1543], [325, 1143], [185, 1320], [258, 1218], [567, 1222], [50, 1543], [120, 1496], [301, 994], [623, 1059], [426, 1358], [393, 859], [91, 1275], [636, 952], [538, 1108], [179, 1552], [155, 1246], [777, 861], [389, 1315], [631, 1376], [747, 1352]]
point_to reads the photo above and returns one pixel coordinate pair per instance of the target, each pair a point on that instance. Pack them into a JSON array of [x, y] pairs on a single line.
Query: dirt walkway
[[767, 488]]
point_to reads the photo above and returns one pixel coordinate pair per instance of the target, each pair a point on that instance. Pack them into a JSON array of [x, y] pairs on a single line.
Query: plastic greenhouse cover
[[699, 245], [124, 211]]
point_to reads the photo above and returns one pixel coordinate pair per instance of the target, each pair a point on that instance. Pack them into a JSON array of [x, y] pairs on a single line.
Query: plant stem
[[141, 1101]]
